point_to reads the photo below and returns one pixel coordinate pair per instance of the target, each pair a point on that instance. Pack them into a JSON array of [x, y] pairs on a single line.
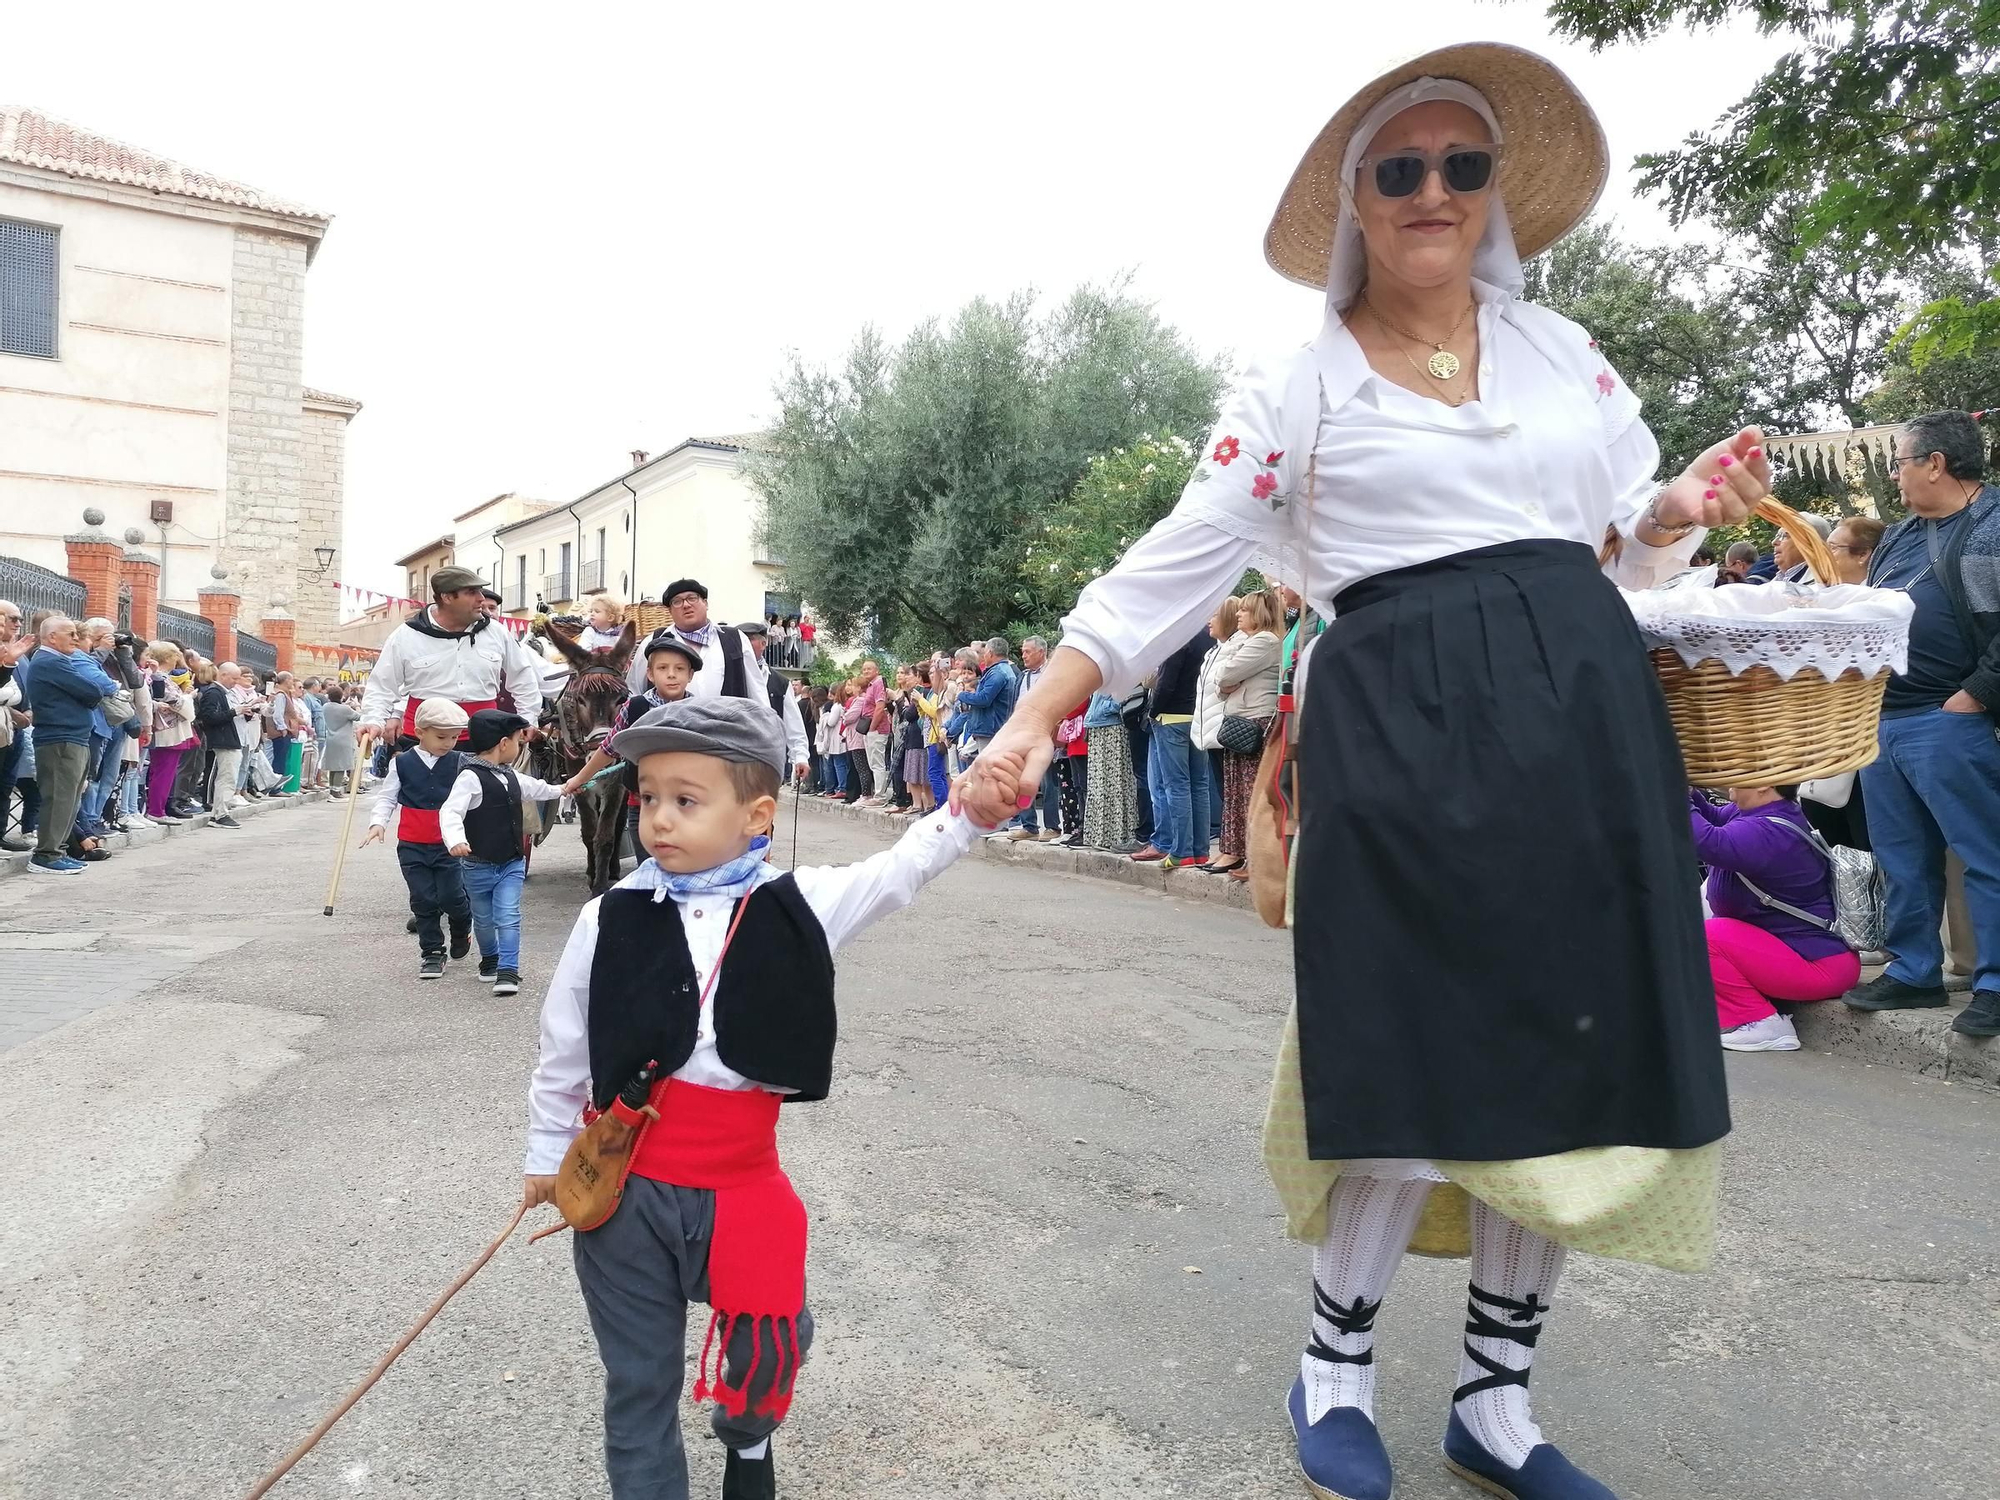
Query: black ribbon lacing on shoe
[[1360, 1318], [1523, 1327]]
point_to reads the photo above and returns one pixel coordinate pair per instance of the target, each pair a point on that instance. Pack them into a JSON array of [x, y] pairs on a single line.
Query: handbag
[[1241, 735], [118, 708], [1860, 893], [1070, 730]]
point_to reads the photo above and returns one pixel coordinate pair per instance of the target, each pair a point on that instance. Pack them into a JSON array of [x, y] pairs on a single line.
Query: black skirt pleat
[[1499, 948]]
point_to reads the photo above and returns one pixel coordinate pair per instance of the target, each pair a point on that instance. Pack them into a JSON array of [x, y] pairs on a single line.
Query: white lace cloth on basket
[[1784, 626]]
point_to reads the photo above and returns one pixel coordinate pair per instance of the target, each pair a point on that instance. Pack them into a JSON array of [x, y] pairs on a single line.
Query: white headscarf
[[1494, 261]]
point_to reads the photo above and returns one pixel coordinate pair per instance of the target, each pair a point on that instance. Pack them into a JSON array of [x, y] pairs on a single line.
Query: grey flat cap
[[738, 729]]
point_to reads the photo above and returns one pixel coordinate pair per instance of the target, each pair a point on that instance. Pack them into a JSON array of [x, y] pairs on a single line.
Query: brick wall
[[266, 426]]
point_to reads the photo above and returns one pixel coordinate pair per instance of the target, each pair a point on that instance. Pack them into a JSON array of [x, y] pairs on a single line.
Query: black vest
[[493, 828], [425, 787], [735, 681], [774, 1016], [775, 689]]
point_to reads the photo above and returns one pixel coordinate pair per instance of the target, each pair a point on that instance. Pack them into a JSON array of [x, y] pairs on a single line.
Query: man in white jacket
[[451, 650]]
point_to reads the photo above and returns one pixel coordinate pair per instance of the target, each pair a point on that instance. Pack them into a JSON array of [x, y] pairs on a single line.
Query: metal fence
[[34, 587], [186, 630], [257, 655], [555, 588]]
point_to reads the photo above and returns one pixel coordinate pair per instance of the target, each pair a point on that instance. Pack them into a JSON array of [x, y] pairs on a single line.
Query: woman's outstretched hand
[[1719, 487], [989, 791]]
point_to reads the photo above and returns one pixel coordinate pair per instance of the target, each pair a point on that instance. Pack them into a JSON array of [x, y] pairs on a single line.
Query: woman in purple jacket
[[1761, 860]]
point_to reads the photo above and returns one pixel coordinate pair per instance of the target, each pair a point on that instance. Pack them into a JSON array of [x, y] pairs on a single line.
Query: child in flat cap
[[705, 981], [483, 828], [670, 667], [413, 793]]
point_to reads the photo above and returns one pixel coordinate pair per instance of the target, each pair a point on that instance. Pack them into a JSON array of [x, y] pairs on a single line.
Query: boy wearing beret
[[713, 970], [482, 826], [413, 793]]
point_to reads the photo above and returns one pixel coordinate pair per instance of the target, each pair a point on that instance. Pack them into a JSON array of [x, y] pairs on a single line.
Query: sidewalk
[[17, 864], [1918, 1041]]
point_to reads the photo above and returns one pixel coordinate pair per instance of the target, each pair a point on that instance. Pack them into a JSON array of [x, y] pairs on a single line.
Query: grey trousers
[[59, 771], [639, 1271]]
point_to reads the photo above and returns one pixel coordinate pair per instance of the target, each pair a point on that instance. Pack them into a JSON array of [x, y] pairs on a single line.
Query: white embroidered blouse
[[1553, 448]]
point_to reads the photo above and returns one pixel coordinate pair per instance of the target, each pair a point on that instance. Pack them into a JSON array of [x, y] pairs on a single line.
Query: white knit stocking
[[1514, 1271], [1369, 1221]]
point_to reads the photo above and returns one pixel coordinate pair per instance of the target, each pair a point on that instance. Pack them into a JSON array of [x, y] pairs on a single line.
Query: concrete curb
[[1098, 864], [1918, 1041], [17, 864]]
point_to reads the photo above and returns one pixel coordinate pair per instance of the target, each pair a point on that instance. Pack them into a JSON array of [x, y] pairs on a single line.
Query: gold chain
[[1443, 364]]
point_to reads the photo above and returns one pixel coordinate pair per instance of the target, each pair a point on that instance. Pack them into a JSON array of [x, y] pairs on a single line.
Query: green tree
[[902, 489], [1121, 494], [1884, 119]]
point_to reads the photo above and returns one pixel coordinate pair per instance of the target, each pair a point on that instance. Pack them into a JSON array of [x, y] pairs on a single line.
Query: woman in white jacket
[[1246, 677], [173, 726]]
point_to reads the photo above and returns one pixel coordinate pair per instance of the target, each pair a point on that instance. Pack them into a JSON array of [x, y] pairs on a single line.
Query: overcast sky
[[561, 233]]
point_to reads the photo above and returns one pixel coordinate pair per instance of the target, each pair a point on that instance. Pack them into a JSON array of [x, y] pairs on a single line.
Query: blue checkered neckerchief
[[739, 877], [696, 637]]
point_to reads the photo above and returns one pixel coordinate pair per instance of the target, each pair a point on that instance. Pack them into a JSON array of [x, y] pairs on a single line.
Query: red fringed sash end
[[712, 1380]]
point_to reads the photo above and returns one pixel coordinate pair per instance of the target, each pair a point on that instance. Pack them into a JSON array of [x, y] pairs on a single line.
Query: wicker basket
[[1756, 728]]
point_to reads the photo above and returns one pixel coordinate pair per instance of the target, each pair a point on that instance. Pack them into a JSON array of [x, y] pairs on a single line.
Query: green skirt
[[1632, 1203]]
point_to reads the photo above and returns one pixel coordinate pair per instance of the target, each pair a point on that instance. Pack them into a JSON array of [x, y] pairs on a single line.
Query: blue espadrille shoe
[[1547, 1475], [1341, 1455]]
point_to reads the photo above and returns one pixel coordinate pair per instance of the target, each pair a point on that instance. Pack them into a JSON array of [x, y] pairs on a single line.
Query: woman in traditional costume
[[1503, 1043]]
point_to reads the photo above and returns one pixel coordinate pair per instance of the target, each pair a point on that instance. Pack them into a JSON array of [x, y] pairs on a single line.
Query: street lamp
[[324, 556]]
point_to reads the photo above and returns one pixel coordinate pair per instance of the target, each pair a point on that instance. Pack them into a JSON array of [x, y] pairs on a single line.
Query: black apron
[[1499, 945]]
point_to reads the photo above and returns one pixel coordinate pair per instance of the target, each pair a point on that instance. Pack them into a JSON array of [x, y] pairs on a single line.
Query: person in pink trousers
[[1770, 935]]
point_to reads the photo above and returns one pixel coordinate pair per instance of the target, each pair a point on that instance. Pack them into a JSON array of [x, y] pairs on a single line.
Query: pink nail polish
[[1726, 460], [1708, 494], [1756, 452]]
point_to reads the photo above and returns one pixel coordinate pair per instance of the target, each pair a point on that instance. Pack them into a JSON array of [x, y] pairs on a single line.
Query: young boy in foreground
[[718, 967]]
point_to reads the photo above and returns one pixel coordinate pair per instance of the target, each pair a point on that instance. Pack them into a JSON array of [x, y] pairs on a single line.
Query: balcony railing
[[590, 578], [517, 600], [555, 589]]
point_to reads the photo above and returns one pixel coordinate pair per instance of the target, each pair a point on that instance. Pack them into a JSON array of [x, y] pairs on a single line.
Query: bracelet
[[1652, 518]]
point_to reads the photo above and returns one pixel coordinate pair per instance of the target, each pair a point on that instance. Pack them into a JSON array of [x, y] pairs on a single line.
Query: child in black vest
[[413, 793], [670, 667], [711, 971], [482, 826]]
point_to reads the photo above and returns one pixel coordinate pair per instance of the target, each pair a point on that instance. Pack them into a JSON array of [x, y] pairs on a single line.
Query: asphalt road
[[1045, 1263]]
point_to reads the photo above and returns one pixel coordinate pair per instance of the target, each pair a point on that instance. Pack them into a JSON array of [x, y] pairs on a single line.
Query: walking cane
[[382, 1364], [346, 824]]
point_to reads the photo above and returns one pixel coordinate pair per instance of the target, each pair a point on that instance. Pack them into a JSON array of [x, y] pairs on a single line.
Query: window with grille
[[27, 289]]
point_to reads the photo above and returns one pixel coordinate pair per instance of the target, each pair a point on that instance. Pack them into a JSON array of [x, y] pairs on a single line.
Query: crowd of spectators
[[102, 733], [1163, 774]]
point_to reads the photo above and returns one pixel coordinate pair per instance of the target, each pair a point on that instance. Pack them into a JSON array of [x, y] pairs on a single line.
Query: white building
[[152, 337], [473, 532], [690, 513]]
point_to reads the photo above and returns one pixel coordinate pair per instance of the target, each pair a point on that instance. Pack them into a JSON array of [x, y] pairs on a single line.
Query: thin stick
[[382, 1364], [797, 786], [346, 825]]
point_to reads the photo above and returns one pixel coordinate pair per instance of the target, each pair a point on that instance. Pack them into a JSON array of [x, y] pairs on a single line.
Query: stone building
[[152, 344]]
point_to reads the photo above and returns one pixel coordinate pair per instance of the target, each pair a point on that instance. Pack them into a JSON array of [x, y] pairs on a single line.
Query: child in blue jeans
[[482, 825]]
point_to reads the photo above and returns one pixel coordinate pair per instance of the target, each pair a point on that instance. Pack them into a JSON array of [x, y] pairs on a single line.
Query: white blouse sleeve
[[1634, 457], [561, 1084], [1236, 510]]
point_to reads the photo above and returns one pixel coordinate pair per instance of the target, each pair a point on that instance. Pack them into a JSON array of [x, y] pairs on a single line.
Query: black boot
[[750, 1478], [461, 940]]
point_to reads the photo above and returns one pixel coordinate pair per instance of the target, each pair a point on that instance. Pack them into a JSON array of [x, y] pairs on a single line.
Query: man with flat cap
[[729, 668], [453, 650], [784, 702]]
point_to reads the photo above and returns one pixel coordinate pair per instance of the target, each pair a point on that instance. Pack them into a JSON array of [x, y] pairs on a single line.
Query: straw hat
[[1551, 172]]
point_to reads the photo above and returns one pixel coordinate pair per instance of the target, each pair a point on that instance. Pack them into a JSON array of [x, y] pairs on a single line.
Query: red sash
[[418, 825], [410, 723], [727, 1140]]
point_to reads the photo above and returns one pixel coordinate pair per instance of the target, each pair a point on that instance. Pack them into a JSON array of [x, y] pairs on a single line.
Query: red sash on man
[[726, 1140]]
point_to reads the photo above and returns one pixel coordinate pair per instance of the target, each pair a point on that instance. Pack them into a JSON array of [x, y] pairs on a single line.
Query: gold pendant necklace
[[1442, 364]]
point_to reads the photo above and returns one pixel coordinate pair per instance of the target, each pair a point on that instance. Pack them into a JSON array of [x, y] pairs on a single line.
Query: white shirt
[[1553, 448], [845, 898], [469, 668], [467, 793], [795, 731], [391, 786], [249, 731]]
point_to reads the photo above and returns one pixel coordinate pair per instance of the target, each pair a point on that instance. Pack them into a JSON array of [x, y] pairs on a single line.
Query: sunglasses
[[1465, 169]]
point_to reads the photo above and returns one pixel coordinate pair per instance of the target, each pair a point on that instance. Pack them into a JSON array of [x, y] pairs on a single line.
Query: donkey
[[581, 718]]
